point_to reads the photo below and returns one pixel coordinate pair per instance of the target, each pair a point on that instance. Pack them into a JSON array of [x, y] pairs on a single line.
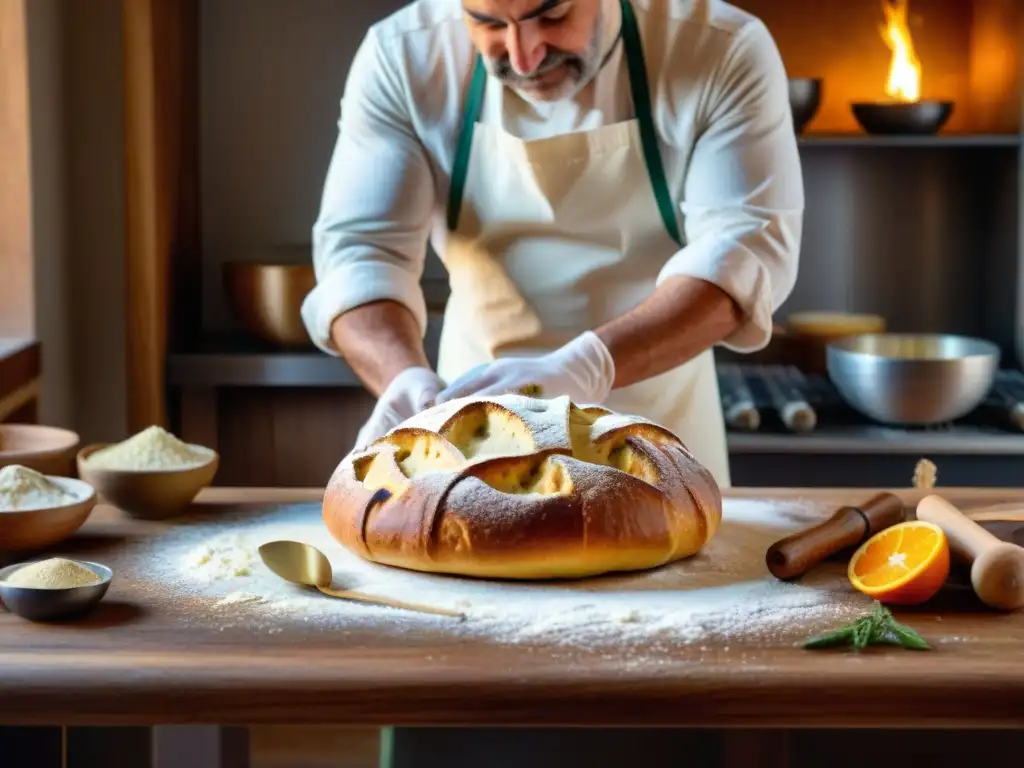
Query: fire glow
[[904, 81], [902, 111]]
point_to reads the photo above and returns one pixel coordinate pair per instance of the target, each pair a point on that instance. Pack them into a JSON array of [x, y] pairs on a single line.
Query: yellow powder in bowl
[[24, 489], [55, 573], [153, 448]]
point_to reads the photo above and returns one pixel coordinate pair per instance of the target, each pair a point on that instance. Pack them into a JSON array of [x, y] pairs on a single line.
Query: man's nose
[[525, 48]]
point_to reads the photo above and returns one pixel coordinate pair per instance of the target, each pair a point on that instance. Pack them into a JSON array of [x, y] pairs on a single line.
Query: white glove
[[583, 369], [411, 391]]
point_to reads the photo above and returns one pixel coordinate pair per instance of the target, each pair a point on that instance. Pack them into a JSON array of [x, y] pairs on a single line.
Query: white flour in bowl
[[725, 593], [154, 448], [23, 489]]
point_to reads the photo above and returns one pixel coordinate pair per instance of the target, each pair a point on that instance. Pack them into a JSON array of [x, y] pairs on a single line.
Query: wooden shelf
[[236, 360], [950, 140], [20, 370], [881, 440]]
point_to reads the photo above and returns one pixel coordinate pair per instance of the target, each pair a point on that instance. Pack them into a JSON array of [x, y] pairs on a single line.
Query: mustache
[[502, 69]]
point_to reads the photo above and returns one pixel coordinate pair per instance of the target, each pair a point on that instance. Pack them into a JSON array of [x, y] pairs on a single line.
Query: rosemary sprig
[[877, 628]]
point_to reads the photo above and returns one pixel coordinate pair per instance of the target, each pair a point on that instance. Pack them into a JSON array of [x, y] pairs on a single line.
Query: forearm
[[378, 341], [683, 317]]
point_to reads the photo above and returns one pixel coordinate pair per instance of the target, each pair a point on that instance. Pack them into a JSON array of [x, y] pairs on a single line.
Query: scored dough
[[523, 488]]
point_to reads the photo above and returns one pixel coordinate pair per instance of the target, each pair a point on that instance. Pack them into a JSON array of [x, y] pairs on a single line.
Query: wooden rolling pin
[[737, 400], [997, 567], [794, 555], [788, 401]]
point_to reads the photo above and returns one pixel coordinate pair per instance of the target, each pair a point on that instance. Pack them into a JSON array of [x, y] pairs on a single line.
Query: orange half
[[906, 564]]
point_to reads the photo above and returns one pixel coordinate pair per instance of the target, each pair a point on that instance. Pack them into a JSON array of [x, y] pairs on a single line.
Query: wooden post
[[161, 186]]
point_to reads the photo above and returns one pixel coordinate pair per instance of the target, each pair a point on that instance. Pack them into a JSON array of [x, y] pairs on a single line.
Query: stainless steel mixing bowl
[[912, 379], [54, 604]]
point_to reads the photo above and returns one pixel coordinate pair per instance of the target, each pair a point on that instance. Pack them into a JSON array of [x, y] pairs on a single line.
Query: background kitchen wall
[[273, 74], [272, 78], [77, 200], [893, 231]]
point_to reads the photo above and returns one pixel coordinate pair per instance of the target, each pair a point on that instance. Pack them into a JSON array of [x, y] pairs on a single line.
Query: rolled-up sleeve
[[743, 198], [370, 236]]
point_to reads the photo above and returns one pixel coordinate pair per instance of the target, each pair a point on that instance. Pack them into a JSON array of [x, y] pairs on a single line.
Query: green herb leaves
[[877, 628]]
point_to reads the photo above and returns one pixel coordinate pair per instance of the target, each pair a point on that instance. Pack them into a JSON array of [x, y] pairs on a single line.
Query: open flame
[[904, 83]]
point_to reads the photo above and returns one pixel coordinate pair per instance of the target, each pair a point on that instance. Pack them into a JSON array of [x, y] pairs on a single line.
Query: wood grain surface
[[20, 370], [130, 664]]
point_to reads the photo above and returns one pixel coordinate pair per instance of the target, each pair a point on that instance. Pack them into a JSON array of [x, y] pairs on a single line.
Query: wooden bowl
[[152, 494], [35, 529], [49, 450], [267, 299]]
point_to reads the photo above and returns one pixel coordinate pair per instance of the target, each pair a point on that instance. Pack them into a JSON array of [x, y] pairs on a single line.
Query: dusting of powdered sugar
[[724, 594]]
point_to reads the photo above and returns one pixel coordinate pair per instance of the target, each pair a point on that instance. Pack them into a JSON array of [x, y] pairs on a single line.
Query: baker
[[613, 186]]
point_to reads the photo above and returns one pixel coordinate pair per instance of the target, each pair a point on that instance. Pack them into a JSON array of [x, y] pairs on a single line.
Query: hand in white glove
[[583, 369], [411, 391]]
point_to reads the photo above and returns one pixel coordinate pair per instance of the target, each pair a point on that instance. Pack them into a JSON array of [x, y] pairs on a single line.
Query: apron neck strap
[[470, 115], [641, 105]]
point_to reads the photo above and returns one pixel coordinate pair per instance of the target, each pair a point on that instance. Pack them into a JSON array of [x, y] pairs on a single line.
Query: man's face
[[544, 49]]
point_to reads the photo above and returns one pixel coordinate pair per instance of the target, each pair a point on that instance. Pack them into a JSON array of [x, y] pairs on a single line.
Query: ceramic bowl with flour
[[38, 511], [152, 475]]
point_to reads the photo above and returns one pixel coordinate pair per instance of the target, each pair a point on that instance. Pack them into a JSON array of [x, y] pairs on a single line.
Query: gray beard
[[580, 70]]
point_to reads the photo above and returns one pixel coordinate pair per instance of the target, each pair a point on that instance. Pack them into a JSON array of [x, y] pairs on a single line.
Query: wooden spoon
[[305, 564]]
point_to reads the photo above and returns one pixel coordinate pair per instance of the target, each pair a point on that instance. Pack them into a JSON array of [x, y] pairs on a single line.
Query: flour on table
[[724, 593], [224, 557]]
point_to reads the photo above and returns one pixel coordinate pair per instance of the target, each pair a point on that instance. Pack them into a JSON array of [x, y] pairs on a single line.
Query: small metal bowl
[[919, 118], [53, 604], [804, 100], [912, 379], [267, 300]]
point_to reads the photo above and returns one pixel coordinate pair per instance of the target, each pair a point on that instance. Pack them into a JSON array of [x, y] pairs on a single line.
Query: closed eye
[[558, 13]]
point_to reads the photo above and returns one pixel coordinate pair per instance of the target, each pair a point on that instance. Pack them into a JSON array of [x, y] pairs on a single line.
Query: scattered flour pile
[[23, 489], [55, 573], [723, 594], [154, 448], [224, 557]]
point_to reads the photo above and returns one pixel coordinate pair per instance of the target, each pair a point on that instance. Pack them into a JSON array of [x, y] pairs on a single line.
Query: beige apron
[[553, 237]]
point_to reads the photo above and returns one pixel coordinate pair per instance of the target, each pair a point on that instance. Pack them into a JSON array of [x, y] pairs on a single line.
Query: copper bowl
[[148, 494], [267, 299], [49, 450]]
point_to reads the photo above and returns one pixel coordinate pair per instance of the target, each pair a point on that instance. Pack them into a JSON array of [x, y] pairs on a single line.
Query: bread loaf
[[513, 487]]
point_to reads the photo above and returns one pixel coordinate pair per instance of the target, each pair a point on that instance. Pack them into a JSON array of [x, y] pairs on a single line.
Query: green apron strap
[[460, 168], [386, 756], [641, 105], [648, 136]]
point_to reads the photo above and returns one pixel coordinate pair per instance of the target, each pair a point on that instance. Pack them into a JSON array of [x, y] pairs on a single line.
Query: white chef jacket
[[721, 110]]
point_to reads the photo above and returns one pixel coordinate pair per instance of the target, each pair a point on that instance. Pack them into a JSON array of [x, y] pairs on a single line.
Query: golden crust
[[518, 488]]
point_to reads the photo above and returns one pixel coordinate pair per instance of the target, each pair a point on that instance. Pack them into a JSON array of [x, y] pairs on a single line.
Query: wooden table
[[126, 665]]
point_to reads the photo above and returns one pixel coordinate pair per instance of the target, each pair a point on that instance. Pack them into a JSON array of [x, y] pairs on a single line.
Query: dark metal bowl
[[54, 604], [920, 118], [804, 100]]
